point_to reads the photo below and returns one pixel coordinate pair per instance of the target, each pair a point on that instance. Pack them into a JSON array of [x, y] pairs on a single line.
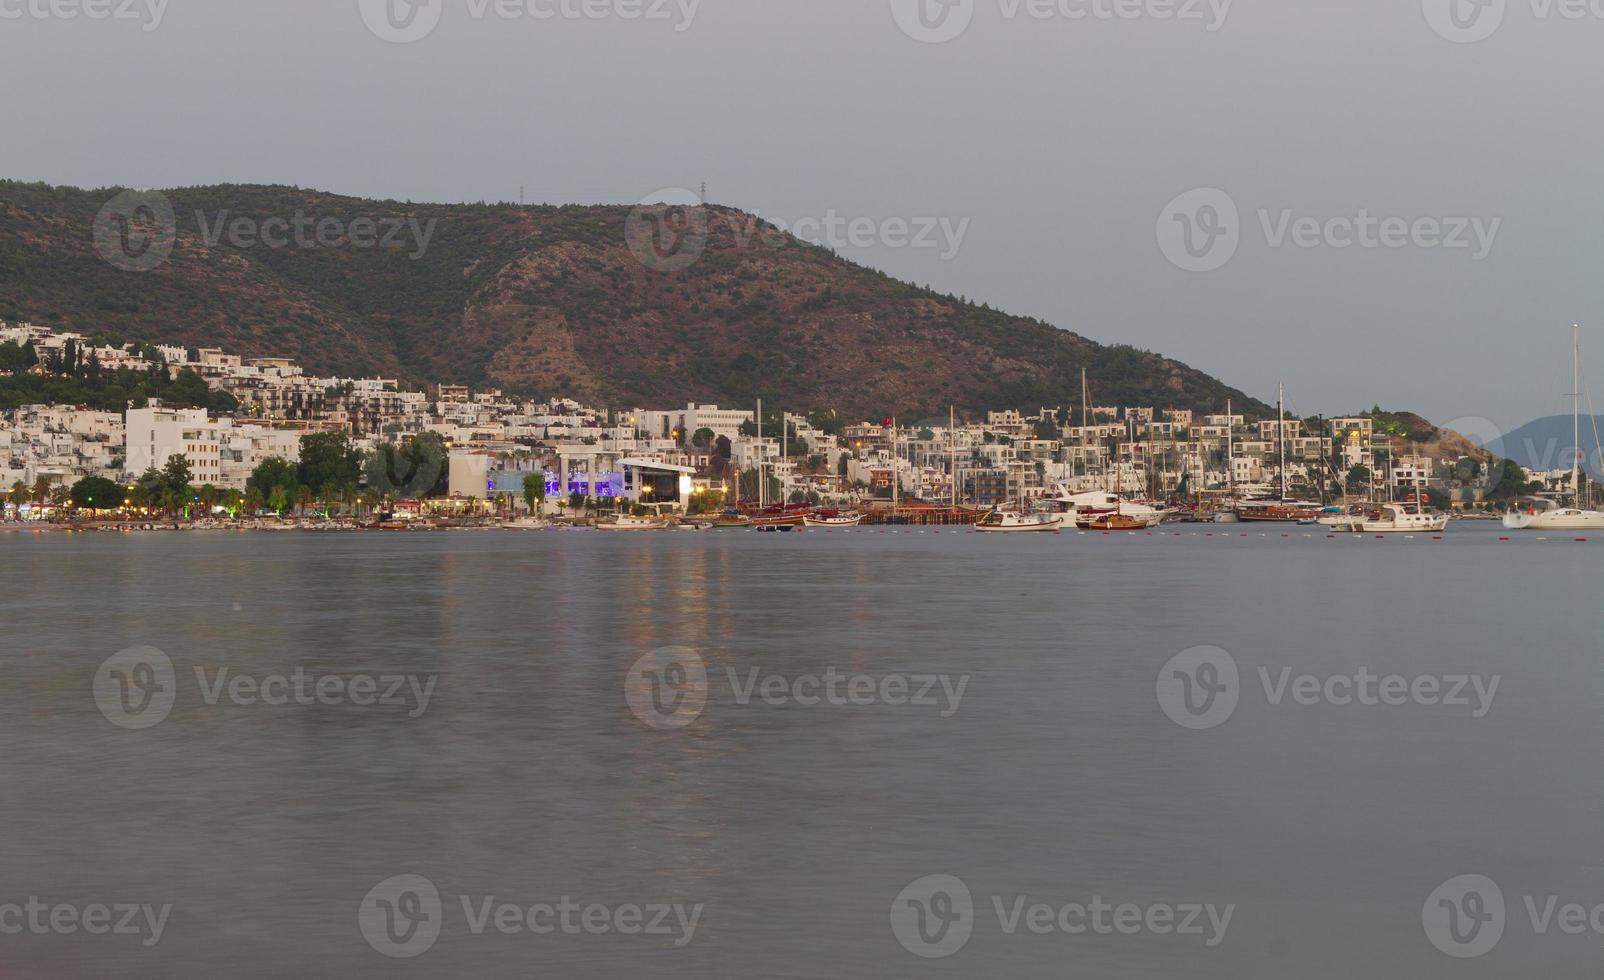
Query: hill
[[548, 300], [1546, 443]]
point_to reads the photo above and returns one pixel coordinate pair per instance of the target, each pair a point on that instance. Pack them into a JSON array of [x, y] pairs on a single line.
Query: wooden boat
[[785, 520], [1112, 522], [831, 518]]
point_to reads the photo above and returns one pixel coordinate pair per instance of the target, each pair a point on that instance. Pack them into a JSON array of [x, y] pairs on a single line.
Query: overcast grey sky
[[1060, 140]]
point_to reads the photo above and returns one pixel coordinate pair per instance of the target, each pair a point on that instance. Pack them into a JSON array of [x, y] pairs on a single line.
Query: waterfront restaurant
[[655, 484]]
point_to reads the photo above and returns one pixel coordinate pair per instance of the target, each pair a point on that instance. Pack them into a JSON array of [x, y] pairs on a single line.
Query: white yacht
[[1392, 519], [1076, 507], [1545, 515], [626, 522], [1000, 520]]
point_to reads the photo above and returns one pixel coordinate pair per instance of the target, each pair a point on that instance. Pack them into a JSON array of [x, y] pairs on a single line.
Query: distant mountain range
[[1546, 444], [539, 301]]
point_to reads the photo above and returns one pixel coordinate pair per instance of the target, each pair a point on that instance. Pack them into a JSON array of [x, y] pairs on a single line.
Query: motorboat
[[1393, 519], [1001, 520], [1093, 503], [628, 522]]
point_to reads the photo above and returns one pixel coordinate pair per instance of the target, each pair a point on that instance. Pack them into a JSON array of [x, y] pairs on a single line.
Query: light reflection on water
[[528, 777]]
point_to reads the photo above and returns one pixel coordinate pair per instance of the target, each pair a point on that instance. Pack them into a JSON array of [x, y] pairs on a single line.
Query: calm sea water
[[1041, 767]]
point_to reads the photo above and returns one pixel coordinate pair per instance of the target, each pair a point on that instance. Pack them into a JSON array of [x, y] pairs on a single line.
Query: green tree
[[274, 484], [826, 421], [416, 469], [175, 477], [96, 493], [147, 489], [703, 438], [1512, 480], [535, 490], [330, 467], [1359, 479]]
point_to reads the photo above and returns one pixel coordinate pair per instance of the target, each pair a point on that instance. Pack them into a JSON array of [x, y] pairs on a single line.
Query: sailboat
[[1022, 519], [1117, 519], [1227, 513], [1284, 510], [1545, 515]]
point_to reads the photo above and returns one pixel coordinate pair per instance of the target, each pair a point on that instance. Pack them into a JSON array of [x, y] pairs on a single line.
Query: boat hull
[[1569, 520], [1022, 527], [833, 521]]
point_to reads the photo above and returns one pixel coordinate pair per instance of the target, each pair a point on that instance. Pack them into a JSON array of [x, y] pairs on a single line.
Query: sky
[[1393, 202]]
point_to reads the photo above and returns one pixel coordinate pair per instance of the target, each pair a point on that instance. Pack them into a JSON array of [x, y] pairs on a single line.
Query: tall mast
[[785, 452], [1230, 451], [896, 452], [761, 483], [1281, 434], [952, 450], [1576, 414]]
